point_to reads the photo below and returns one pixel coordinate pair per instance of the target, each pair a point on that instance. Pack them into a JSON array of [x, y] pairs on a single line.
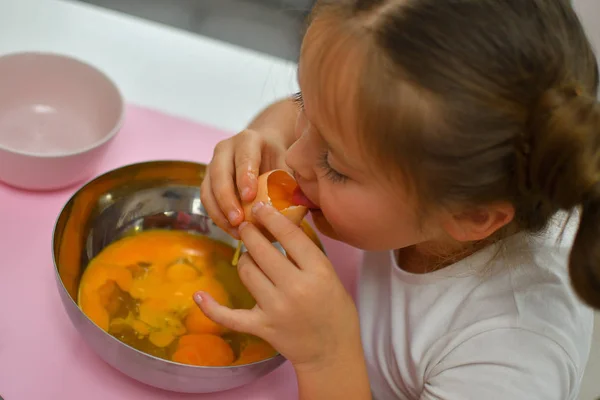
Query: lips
[[321, 223], [300, 199]]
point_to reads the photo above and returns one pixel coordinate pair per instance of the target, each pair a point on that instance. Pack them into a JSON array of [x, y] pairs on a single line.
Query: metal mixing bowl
[[151, 195]]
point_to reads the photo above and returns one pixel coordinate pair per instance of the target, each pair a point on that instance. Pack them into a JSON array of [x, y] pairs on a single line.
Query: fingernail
[[233, 216], [198, 297], [257, 206], [242, 225], [245, 193]]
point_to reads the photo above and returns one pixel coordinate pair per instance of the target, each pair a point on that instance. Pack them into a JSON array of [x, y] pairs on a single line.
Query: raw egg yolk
[[280, 189], [203, 350], [255, 351]]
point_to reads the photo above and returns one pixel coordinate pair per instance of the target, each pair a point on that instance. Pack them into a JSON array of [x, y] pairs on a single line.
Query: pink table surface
[[41, 354]]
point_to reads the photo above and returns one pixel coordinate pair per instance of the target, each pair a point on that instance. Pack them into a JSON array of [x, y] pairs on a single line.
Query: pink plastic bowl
[[57, 118]]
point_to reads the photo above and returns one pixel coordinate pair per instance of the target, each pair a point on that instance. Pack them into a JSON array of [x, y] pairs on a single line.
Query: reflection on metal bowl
[[151, 195]]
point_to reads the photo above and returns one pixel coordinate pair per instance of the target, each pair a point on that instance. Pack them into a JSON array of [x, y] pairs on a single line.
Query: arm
[[302, 309], [278, 119], [344, 379]]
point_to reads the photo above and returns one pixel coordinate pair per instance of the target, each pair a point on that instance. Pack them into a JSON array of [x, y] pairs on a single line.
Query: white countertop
[[154, 65]]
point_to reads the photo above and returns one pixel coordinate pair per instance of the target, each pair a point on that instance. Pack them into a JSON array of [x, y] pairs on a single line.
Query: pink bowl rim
[[106, 138]]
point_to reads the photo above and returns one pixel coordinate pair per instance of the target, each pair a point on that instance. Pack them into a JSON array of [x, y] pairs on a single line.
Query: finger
[[247, 164], [255, 280], [291, 237], [246, 321], [267, 257], [221, 176], [213, 210]]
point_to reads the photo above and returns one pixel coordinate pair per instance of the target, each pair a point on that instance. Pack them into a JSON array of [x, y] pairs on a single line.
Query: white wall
[[589, 12]]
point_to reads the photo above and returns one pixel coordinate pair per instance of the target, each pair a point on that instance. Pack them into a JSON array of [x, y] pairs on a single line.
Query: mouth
[[321, 223], [300, 199]]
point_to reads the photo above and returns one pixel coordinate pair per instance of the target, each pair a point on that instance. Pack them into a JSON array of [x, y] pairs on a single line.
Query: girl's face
[[358, 204]]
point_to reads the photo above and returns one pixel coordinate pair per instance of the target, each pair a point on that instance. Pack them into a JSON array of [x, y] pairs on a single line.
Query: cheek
[[365, 220], [351, 215], [338, 211]]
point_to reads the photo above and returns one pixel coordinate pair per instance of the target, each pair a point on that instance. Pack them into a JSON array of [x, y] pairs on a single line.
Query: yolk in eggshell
[[277, 188]]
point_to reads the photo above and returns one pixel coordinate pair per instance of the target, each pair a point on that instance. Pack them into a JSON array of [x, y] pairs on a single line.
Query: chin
[[325, 228], [323, 225]]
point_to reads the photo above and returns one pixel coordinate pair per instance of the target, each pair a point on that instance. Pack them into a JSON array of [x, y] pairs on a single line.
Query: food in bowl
[[139, 289]]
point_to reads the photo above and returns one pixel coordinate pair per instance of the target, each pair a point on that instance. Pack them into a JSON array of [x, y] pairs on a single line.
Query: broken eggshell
[[277, 189]]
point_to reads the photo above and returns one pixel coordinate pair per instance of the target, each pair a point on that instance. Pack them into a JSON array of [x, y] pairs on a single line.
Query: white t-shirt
[[500, 324]]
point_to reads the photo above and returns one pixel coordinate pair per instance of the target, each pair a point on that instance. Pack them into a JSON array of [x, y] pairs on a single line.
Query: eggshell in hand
[[277, 189]]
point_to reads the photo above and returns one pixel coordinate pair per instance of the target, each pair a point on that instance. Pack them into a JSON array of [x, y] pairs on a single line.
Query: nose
[[300, 159], [302, 156]]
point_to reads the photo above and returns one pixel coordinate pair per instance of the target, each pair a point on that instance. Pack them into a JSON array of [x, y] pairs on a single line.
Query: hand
[[238, 161], [302, 308]]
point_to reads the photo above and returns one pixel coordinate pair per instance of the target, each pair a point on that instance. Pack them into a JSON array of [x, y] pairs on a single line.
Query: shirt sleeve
[[504, 364]]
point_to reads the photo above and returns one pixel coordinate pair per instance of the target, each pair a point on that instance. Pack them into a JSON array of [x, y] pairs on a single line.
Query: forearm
[[345, 379], [280, 118]]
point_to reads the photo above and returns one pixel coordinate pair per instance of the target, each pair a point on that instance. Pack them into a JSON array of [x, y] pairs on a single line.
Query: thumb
[[239, 320]]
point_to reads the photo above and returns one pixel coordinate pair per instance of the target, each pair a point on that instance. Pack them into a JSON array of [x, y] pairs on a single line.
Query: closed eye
[[330, 173]]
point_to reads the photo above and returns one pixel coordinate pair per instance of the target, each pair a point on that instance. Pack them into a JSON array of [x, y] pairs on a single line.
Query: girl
[[444, 137]]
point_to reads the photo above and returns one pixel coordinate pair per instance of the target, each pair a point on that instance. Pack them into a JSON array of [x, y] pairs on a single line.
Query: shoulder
[[544, 301], [521, 324]]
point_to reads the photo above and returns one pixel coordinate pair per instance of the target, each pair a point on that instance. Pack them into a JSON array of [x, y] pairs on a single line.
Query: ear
[[478, 223]]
